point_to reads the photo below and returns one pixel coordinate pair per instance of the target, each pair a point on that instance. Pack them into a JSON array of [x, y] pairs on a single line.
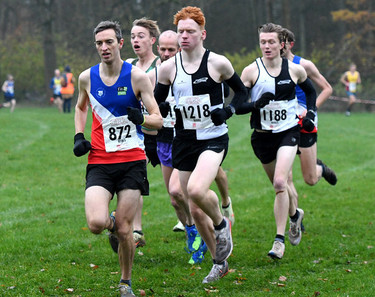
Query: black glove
[[164, 109], [264, 100], [219, 115], [135, 115], [81, 145], [308, 121]]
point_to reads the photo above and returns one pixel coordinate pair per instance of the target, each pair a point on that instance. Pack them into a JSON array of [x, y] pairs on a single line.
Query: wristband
[[144, 120]]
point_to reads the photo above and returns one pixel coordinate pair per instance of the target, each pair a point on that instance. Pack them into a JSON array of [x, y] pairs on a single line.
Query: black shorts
[[8, 98], [308, 139], [185, 152], [266, 145], [151, 149], [119, 176]]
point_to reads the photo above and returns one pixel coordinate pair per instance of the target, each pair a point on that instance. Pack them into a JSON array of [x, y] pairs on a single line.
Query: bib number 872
[[120, 131]]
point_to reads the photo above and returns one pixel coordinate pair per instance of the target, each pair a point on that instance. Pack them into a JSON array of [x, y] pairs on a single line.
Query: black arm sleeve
[[310, 93], [246, 107], [161, 92], [240, 92]]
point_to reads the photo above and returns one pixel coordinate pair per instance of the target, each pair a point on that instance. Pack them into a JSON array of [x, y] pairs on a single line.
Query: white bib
[[120, 134], [277, 115], [170, 120], [352, 87], [195, 111]]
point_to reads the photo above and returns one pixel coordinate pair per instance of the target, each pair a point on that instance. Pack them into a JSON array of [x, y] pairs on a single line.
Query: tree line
[[37, 36]]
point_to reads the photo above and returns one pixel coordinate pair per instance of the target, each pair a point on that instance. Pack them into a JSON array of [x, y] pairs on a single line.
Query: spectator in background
[[8, 89], [67, 88], [55, 85], [351, 79]]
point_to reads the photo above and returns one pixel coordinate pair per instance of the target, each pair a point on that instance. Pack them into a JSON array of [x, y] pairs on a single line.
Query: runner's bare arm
[[81, 109], [143, 90]]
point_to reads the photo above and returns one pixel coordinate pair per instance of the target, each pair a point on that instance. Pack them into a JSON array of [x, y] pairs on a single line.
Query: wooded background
[[37, 36]]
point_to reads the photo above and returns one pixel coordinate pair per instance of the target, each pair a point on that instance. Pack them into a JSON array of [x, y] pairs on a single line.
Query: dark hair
[[150, 25], [67, 68], [104, 25], [289, 35]]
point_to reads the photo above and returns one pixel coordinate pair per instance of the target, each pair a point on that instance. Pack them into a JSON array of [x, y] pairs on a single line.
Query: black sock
[[295, 217], [222, 225], [225, 206], [323, 170], [214, 261], [126, 281], [280, 238]]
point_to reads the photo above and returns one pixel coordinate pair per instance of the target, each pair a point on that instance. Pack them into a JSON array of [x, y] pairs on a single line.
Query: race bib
[[120, 134], [195, 111], [277, 114], [170, 120], [352, 87]]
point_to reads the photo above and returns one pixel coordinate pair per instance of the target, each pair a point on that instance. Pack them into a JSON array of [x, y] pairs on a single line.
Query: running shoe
[[112, 237], [125, 290], [217, 272], [139, 239], [328, 174], [179, 227], [224, 244], [277, 251], [295, 228], [228, 212], [194, 240], [198, 256]]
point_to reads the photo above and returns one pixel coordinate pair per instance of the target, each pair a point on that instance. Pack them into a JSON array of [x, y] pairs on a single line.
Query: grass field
[[47, 250]]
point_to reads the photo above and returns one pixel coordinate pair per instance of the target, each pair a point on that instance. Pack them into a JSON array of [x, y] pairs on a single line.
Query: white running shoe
[[217, 272], [125, 290], [179, 227], [295, 229], [224, 244], [277, 251], [139, 239], [228, 212]]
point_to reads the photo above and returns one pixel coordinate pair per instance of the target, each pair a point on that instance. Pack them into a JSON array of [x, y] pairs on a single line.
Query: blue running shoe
[[198, 256], [194, 240]]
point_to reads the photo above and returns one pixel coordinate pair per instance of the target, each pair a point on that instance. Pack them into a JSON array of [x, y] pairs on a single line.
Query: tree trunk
[[49, 49]]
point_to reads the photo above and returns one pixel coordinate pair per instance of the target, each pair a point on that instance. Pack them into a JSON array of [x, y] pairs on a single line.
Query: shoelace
[[215, 270], [294, 228], [278, 246]]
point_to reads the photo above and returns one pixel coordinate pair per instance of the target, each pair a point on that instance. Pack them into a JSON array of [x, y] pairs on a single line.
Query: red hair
[[190, 12]]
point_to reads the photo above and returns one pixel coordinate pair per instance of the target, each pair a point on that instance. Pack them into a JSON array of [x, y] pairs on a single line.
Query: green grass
[[47, 250]]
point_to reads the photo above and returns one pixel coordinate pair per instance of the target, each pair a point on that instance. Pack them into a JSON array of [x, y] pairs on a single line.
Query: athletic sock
[[138, 231], [225, 206], [222, 225], [295, 217], [280, 238], [126, 282]]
